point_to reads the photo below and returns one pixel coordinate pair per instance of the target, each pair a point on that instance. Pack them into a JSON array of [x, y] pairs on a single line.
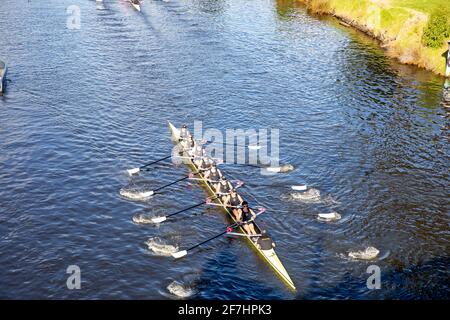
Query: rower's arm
[[253, 214]]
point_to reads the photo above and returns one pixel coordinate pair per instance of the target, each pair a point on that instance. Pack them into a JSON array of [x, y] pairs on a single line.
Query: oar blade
[[147, 194], [299, 188], [329, 216], [133, 171], [179, 254], [159, 219]]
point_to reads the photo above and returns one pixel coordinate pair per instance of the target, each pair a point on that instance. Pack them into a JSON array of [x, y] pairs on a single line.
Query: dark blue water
[[84, 105]]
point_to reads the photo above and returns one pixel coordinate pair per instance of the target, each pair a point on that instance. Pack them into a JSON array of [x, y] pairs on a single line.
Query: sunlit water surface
[[81, 106]]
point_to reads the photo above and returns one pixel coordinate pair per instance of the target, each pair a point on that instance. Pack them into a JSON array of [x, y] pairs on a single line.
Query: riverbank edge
[[404, 44]]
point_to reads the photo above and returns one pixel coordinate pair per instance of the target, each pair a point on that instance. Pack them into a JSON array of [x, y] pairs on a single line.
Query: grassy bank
[[413, 31]]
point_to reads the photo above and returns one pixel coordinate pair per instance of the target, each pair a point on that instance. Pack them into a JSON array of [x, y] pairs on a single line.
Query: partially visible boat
[[136, 4], [3, 70]]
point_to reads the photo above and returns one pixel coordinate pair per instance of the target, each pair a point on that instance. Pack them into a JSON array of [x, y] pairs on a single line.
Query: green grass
[[437, 28], [393, 19], [426, 6], [414, 31]]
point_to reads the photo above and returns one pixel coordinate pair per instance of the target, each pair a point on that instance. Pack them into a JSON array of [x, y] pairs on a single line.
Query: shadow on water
[[397, 282], [234, 285]]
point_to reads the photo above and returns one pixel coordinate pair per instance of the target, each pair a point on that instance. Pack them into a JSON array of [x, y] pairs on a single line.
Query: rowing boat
[[136, 4], [3, 70], [268, 254]]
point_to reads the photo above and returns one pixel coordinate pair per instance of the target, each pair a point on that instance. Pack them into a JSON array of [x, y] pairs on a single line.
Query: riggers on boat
[[3, 70], [264, 245]]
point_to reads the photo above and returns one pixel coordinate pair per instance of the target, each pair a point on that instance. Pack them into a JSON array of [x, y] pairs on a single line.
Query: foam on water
[[181, 290], [142, 219], [311, 195], [133, 194], [286, 168], [332, 216], [159, 248], [367, 254]]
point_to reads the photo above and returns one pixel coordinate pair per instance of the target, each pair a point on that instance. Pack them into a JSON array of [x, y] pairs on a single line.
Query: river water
[[82, 105]]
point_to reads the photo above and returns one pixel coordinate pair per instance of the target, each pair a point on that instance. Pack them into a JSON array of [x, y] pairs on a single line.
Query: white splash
[[367, 254], [328, 216], [282, 169], [311, 195], [180, 290], [159, 248], [142, 219], [134, 194], [286, 168]]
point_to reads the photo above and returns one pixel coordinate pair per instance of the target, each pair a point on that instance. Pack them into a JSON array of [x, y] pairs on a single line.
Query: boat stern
[[271, 256]]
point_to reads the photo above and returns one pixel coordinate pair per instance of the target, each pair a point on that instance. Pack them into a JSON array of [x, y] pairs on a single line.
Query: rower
[[223, 188], [234, 201], [247, 216], [197, 150], [203, 163], [184, 133], [213, 175], [188, 144]]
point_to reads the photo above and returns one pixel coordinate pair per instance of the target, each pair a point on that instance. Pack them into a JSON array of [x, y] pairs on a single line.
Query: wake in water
[[332, 216], [311, 195], [142, 219], [281, 169], [181, 290], [135, 194], [159, 248], [367, 254]]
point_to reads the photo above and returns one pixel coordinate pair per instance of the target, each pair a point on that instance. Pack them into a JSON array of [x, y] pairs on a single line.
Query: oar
[[251, 147], [164, 218], [244, 234], [136, 170], [221, 205], [280, 169], [182, 253], [229, 229], [155, 191], [239, 183], [299, 187]]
